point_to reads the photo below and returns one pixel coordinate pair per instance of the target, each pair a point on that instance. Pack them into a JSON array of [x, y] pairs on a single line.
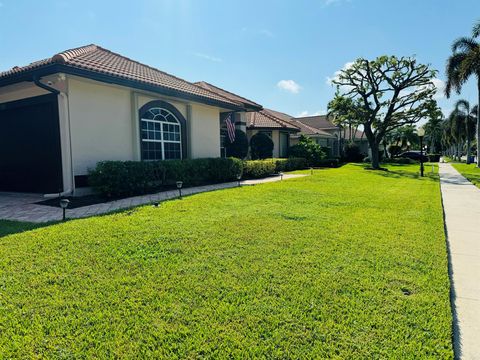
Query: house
[[329, 135], [61, 115], [278, 126], [275, 124]]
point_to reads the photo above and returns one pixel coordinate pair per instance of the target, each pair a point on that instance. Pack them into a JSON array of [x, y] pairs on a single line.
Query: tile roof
[[318, 122], [270, 119], [263, 118], [95, 59], [234, 97], [311, 131]]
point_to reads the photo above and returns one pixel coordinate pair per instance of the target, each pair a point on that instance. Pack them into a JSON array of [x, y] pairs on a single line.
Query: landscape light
[[421, 134], [64, 204], [311, 171], [239, 177], [281, 175], [179, 187]]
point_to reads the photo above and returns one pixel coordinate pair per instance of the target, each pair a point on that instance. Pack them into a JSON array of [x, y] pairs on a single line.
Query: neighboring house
[[275, 124], [329, 135], [323, 138], [61, 115]]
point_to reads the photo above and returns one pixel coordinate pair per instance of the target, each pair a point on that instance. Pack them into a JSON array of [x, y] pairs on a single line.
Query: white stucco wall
[[101, 120], [101, 123], [204, 131]]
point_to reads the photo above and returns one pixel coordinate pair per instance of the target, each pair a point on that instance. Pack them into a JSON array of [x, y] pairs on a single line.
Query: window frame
[[180, 122]]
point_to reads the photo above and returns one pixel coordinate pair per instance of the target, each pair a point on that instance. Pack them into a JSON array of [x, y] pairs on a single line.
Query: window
[[160, 135]]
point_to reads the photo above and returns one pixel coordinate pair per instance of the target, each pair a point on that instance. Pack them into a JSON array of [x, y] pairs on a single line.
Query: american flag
[[230, 127]]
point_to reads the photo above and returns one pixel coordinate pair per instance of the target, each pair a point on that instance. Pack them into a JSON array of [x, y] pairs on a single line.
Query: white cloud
[[306, 113], [440, 86], [266, 33], [289, 85], [208, 57], [336, 74]]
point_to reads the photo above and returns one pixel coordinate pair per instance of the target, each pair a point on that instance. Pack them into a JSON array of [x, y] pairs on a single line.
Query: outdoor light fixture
[[64, 204], [311, 171], [281, 175], [239, 177], [421, 134], [179, 187]]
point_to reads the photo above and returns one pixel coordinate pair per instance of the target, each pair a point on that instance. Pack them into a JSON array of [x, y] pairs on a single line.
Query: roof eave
[[111, 79], [253, 127]]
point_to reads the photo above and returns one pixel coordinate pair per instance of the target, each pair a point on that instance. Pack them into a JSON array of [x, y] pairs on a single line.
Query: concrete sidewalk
[[24, 207], [461, 203]]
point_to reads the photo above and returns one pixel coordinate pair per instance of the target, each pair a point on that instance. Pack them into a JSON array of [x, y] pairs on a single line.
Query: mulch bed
[[80, 201]]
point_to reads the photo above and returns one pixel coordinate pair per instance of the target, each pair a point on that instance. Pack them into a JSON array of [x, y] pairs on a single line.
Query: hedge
[[128, 178], [333, 163], [290, 164], [115, 179], [254, 169], [434, 157]]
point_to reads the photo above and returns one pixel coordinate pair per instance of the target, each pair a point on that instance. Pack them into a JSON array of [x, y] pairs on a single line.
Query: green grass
[[470, 171], [347, 263]]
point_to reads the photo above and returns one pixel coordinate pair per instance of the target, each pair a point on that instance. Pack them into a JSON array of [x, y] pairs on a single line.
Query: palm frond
[[476, 30], [463, 106], [452, 70], [474, 111], [464, 44]]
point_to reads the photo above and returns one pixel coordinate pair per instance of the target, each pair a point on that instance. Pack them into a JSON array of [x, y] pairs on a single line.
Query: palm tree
[[433, 129], [461, 66], [463, 107], [456, 126]]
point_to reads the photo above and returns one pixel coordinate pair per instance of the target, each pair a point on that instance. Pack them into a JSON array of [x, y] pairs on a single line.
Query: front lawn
[[470, 171], [347, 263], [8, 227]]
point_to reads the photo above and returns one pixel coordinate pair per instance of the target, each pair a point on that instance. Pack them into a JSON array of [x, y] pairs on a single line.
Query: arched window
[[162, 132]]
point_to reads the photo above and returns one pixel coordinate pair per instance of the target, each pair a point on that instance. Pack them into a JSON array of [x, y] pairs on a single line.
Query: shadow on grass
[[8, 227], [397, 171]]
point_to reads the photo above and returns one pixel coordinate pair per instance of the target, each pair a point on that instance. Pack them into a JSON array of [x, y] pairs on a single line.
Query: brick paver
[[22, 207]]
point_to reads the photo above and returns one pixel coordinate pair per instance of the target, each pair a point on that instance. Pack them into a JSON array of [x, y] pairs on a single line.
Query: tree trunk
[[478, 123], [467, 131], [375, 155]]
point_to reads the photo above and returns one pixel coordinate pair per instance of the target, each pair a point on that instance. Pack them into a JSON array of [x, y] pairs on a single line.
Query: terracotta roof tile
[[309, 130], [99, 60], [228, 94], [317, 122], [267, 118]]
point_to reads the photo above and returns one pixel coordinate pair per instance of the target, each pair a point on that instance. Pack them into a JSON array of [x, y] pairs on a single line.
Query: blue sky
[[277, 53]]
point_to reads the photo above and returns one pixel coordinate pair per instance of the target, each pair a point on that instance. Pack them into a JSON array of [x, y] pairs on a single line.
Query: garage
[[30, 152]]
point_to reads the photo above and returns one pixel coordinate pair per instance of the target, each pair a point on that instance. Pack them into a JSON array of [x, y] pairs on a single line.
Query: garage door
[[30, 155]]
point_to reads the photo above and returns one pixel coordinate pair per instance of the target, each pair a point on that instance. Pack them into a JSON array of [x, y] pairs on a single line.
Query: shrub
[[401, 160], [352, 153], [255, 169], [394, 150], [129, 178], [239, 148], [261, 146], [434, 157], [333, 163], [290, 164], [122, 178], [308, 149]]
